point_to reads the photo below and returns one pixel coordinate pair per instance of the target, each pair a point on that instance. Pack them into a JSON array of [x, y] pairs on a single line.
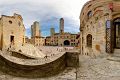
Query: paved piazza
[[68, 73], [100, 68], [51, 50]]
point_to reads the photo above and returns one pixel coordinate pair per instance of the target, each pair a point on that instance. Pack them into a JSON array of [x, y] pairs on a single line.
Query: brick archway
[[66, 42]]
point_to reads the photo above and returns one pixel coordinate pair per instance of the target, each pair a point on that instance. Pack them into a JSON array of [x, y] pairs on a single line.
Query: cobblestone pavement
[[98, 69]]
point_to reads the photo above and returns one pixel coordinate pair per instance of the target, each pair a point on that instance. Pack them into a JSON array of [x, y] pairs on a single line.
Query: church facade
[[100, 27], [12, 31]]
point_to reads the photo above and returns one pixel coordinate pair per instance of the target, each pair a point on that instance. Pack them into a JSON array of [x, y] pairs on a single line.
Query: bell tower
[[61, 25], [35, 29], [52, 31]]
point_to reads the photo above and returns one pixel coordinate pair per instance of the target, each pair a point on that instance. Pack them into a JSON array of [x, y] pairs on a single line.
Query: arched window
[[10, 21], [89, 14], [19, 23], [89, 40]]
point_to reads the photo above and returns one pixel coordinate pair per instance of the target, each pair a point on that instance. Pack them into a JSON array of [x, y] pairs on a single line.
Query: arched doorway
[[89, 40], [12, 40], [117, 33], [66, 42]]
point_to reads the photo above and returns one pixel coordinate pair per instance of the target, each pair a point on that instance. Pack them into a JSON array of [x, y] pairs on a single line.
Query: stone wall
[[19, 55], [13, 31], [37, 68], [72, 59], [93, 19]]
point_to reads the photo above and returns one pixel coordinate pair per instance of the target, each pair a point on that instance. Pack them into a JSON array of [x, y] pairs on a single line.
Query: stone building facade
[[48, 41], [12, 31], [62, 38], [36, 38], [100, 27], [27, 40]]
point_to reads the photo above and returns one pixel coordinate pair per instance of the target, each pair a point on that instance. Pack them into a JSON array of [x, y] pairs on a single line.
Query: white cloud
[[32, 10]]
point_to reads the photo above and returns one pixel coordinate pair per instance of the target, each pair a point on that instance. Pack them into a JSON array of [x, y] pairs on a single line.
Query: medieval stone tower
[[36, 37], [61, 25], [35, 29], [52, 31]]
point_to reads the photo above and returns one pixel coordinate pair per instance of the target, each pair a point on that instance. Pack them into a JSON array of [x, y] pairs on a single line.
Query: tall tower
[[52, 31], [61, 25], [32, 30], [35, 29]]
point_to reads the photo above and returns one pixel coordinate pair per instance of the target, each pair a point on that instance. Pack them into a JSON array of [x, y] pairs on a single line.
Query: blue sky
[[47, 12]]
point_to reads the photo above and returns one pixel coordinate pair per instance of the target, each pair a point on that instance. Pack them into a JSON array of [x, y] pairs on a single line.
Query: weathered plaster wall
[[12, 26], [94, 24]]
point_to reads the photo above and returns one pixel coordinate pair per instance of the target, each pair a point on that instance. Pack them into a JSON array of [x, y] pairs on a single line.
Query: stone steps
[[114, 58]]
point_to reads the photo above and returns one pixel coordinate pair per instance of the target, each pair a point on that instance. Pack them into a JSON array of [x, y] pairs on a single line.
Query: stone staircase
[[115, 56]]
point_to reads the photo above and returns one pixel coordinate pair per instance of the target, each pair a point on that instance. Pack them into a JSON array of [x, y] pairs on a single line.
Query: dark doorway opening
[[66, 42], [12, 39], [117, 33]]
